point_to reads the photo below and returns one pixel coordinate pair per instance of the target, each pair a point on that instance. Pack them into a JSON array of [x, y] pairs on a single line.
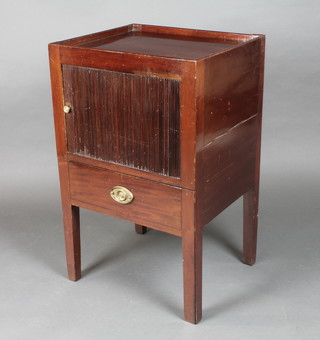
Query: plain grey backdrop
[[132, 285]]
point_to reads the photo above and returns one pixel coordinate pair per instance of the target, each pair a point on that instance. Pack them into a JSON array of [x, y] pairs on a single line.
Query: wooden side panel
[[231, 126], [124, 119], [154, 205], [231, 89], [237, 169], [231, 148]]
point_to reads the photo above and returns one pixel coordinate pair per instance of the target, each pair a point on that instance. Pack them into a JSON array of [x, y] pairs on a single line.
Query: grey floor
[[132, 284]]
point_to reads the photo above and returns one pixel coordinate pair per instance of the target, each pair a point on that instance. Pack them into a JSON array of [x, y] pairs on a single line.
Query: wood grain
[[231, 116], [231, 89], [251, 198], [154, 203], [184, 33], [197, 33], [192, 258], [163, 44], [124, 119], [174, 181]]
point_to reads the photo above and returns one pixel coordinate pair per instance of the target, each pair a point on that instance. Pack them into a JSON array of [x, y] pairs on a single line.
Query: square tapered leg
[[250, 226], [72, 242], [192, 259], [140, 229]]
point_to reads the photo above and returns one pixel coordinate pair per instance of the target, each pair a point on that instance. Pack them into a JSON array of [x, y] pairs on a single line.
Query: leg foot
[[72, 241], [192, 277], [250, 224], [140, 229]]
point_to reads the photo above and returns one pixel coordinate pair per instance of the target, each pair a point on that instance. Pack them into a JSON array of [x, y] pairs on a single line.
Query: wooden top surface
[[160, 41], [163, 45]]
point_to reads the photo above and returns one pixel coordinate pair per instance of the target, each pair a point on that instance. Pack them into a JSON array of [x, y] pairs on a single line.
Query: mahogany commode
[[159, 126]]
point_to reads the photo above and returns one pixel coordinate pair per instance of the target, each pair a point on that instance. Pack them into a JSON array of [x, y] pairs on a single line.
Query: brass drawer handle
[[121, 195]]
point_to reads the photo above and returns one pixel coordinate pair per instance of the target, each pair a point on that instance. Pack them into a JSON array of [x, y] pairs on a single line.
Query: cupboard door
[[122, 118]]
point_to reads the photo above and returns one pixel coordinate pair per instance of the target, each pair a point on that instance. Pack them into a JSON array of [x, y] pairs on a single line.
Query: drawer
[[154, 205]]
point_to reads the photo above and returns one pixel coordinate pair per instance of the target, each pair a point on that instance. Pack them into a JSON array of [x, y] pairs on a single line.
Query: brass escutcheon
[[121, 195]]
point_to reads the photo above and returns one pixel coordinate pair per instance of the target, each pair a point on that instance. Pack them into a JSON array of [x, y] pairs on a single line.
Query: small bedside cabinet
[[159, 126]]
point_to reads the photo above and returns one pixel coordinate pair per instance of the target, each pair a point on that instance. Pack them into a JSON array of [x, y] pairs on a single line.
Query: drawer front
[[125, 119], [154, 205]]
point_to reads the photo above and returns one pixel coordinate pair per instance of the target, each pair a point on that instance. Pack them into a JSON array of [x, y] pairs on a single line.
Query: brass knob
[[121, 195], [66, 109]]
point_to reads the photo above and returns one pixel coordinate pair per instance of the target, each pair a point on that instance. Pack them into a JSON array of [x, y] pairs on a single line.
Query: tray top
[[161, 41], [164, 45]]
